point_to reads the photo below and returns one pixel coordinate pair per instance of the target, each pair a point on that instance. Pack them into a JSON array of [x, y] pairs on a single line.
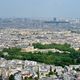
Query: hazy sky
[[40, 8]]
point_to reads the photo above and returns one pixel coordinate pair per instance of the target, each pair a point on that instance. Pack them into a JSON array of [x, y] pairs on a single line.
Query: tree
[[11, 77]]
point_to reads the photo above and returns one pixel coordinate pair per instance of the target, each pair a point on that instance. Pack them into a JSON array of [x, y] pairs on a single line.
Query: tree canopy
[[55, 58]]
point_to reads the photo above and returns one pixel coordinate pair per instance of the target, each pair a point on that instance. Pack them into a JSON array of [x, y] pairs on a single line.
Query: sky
[[40, 8]]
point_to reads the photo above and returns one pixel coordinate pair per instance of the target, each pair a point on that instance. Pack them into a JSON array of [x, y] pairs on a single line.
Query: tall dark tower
[[54, 19]]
